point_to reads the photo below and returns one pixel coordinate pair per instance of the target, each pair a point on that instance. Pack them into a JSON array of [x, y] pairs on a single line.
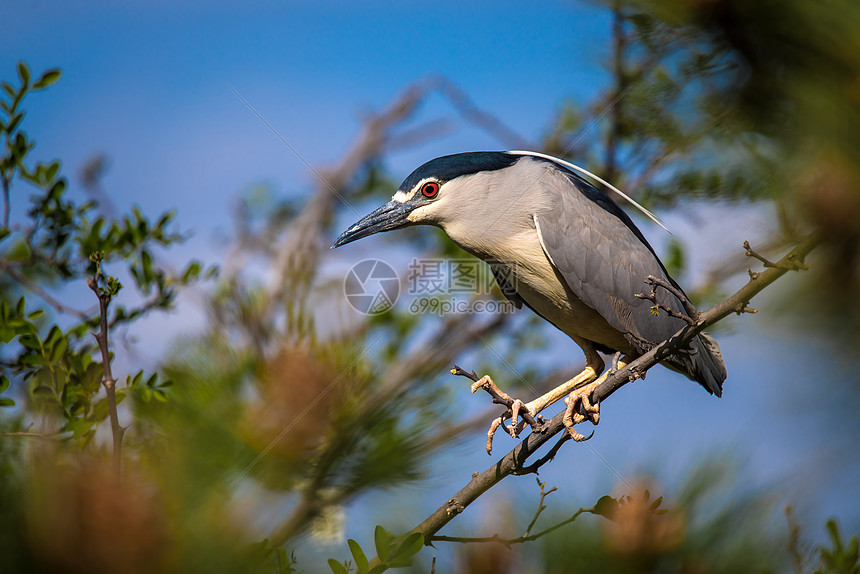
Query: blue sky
[[146, 83]]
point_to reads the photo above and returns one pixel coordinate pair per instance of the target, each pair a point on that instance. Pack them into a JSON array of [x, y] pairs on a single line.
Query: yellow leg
[[543, 401], [582, 397]]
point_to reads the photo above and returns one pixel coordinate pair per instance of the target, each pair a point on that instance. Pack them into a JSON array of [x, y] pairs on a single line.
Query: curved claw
[[590, 412], [490, 433]]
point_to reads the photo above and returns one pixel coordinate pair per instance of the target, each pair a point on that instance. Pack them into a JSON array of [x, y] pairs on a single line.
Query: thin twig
[[7, 206], [692, 313], [534, 467], [790, 265], [508, 542], [42, 294], [109, 382], [541, 506], [40, 435]]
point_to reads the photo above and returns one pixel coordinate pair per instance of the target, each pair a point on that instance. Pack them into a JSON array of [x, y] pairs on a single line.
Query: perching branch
[[514, 461], [104, 294]]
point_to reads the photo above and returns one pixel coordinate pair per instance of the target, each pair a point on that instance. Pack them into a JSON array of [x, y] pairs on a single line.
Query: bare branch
[[508, 542], [541, 506], [791, 265], [42, 294], [7, 206], [57, 435], [104, 295]]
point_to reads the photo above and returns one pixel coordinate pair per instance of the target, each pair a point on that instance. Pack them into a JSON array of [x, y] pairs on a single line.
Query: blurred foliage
[[736, 101], [288, 406], [49, 367]]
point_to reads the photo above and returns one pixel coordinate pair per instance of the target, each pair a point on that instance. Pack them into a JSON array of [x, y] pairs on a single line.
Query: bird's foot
[[580, 408], [519, 413]]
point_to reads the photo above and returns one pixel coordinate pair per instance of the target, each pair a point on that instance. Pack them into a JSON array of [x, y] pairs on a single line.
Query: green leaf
[[382, 540], [137, 378], [410, 546], [24, 73], [4, 383], [101, 410], [192, 271], [606, 506], [36, 314], [59, 350], [54, 335], [337, 567], [14, 121], [6, 402], [31, 342], [4, 233], [361, 563], [378, 569], [7, 87], [52, 171], [48, 78]]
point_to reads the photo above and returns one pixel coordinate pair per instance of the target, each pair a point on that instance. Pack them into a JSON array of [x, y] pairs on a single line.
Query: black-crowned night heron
[[561, 247]]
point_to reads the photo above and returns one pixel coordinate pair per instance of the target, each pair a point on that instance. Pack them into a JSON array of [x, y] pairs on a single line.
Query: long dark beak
[[392, 215]]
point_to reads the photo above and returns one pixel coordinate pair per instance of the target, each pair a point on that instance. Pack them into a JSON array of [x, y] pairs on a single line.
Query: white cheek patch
[[420, 214]]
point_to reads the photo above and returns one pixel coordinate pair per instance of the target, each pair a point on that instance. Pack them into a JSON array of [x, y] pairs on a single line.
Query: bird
[[563, 248]]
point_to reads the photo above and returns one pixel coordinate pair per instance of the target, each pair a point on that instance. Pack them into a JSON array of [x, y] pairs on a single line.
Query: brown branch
[[7, 205], [104, 296], [473, 114], [613, 136], [42, 294], [787, 266], [549, 456], [41, 435], [508, 542], [515, 460], [541, 506]]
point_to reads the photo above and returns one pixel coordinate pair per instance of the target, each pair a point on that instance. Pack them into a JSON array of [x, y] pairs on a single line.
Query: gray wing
[[604, 260]]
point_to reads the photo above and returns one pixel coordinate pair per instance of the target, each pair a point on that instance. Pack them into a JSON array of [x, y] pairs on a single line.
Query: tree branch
[[514, 461], [7, 206], [104, 295], [508, 542], [42, 294]]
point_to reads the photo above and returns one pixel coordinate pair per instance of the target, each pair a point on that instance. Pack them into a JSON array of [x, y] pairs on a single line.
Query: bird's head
[[442, 190]]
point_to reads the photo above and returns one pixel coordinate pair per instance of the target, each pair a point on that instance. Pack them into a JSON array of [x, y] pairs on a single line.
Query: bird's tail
[[704, 364]]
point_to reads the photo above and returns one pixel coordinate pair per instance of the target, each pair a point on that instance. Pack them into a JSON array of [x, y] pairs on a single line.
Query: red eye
[[430, 189]]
